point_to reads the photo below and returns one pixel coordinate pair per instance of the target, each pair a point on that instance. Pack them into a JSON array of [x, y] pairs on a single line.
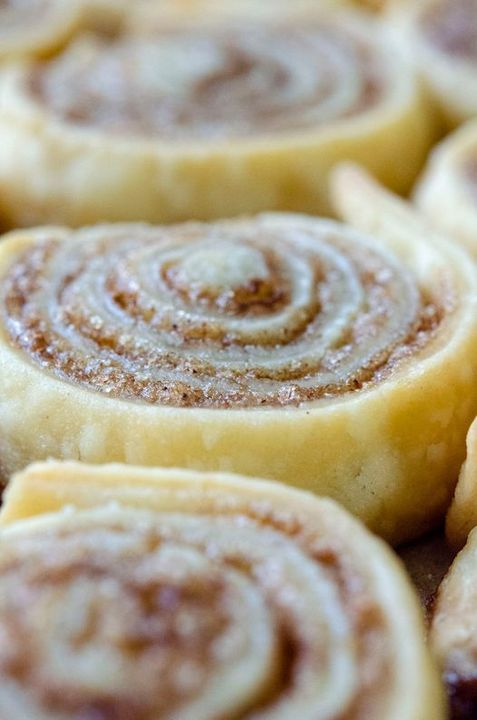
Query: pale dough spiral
[[210, 83], [207, 117], [228, 598], [272, 311]]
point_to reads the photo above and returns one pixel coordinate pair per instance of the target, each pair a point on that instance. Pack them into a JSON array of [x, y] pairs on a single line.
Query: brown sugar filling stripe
[[278, 310], [213, 83]]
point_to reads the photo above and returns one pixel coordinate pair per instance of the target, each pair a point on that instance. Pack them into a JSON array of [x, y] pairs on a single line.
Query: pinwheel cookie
[[162, 594], [442, 37], [447, 193], [207, 119], [462, 516], [281, 346], [454, 631]]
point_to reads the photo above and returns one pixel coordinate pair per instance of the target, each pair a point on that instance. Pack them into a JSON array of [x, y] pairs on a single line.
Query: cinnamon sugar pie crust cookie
[[454, 631], [160, 594], [462, 515], [204, 120], [447, 191], [441, 35], [151, 9], [280, 346]]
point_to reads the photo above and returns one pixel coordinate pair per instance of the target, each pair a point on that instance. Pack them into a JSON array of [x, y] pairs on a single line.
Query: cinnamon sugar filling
[[233, 314]]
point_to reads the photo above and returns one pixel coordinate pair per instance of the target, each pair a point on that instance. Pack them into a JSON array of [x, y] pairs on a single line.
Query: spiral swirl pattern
[[452, 26], [272, 311], [151, 616], [217, 82], [453, 629]]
